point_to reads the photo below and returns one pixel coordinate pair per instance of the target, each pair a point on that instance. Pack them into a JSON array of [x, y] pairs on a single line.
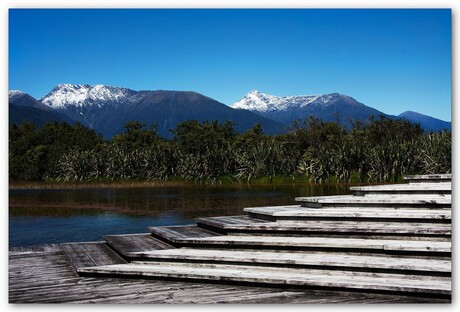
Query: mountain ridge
[[22, 107], [426, 121], [106, 109], [286, 109], [328, 107]]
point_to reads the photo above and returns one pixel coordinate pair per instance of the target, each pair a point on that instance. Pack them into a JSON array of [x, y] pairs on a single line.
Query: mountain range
[[106, 109], [327, 107]]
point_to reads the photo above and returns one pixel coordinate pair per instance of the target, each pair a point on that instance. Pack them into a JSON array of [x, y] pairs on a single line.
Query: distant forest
[[315, 151]]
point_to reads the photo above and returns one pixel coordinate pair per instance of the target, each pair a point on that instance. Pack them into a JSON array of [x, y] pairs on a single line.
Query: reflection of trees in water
[[190, 202]]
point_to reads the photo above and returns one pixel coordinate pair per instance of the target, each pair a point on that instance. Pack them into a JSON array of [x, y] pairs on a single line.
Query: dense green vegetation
[[380, 150]]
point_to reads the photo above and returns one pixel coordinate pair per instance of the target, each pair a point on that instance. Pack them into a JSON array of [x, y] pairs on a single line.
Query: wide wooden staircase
[[382, 239]]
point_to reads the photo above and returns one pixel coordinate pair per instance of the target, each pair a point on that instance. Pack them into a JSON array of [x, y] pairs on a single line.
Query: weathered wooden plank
[[338, 226], [417, 188], [114, 290], [224, 222], [172, 233], [90, 254], [132, 243], [433, 285], [324, 261], [411, 201], [315, 243], [431, 178], [48, 248], [297, 212]]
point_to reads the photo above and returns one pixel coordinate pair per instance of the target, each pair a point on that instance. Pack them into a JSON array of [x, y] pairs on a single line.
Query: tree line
[[210, 152]]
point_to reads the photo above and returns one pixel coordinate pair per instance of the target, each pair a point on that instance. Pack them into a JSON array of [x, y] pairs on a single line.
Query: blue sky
[[392, 60]]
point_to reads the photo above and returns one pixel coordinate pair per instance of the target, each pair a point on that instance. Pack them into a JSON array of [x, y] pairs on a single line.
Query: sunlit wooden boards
[[427, 178], [388, 246], [43, 275], [230, 225], [339, 280], [405, 189], [297, 212], [324, 260], [389, 200]]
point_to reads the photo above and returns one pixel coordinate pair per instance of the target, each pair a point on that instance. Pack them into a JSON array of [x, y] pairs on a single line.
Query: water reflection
[[53, 216]]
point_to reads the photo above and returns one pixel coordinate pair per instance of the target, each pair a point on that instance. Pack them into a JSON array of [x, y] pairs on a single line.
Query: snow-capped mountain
[[91, 105], [286, 109], [14, 94], [261, 102], [67, 95], [106, 109]]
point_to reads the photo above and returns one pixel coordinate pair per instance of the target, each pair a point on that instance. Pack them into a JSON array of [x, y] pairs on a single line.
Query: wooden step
[[297, 212], [428, 178], [90, 254], [129, 244], [324, 261], [227, 224], [229, 221], [251, 226], [173, 234], [405, 189], [290, 277], [388, 246], [406, 201]]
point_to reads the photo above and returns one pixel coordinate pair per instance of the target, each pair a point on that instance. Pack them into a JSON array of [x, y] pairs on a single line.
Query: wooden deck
[[371, 247], [45, 275]]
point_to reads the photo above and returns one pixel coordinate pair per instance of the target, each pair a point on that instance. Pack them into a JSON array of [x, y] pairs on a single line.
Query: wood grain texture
[[430, 178], [47, 277], [332, 260], [296, 212], [127, 245], [327, 243], [82, 255], [251, 225], [174, 234], [390, 200], [342, 280], [404, 189]]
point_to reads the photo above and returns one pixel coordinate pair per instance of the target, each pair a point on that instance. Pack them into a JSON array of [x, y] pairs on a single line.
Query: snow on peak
[[261, 102], [254, 100], [254, 92], [14, 93], [82, 95]]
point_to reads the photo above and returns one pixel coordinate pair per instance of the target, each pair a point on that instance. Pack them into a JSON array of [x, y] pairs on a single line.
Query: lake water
[[44, 216]]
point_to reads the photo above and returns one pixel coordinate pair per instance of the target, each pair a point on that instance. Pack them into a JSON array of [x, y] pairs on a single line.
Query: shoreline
[[50, 185], [37, 185]]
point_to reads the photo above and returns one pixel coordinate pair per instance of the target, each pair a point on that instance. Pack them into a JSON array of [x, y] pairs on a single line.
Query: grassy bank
[[175, 182], [30, 185], [223, 181]]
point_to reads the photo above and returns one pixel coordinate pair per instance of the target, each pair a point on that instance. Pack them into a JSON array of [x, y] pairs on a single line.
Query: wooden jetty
[[387, 243]]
